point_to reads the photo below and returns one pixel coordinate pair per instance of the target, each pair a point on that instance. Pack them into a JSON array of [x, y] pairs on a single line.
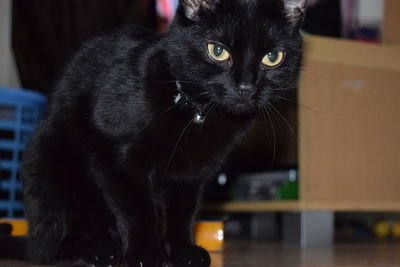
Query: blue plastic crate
[[20, 111]]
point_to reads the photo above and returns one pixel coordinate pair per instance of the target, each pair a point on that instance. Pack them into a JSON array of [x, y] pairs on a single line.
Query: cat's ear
[[192, 7], [295, 10]]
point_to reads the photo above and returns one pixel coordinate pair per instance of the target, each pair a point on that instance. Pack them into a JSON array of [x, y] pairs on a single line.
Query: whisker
[[177, 143], [192, 97], [181, 81], [214, 105], [316, 112], [162, 112], [265, 124], [283, 89], [285, 120], [273, 132]]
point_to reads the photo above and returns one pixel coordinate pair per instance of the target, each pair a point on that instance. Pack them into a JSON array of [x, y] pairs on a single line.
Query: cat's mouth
[[238, 104], [240, 107]]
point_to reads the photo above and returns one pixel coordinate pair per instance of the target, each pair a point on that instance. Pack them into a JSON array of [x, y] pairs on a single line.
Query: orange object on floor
[[209, 235], [19, 227]]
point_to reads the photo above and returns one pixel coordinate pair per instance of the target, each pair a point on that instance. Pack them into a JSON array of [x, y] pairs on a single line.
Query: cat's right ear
[[295, 10], [192, 7]]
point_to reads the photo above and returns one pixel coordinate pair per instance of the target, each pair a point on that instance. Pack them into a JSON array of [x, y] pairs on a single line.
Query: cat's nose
[[246, 90]]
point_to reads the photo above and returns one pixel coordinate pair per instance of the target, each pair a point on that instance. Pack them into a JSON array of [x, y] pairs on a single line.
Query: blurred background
[[331, 152]]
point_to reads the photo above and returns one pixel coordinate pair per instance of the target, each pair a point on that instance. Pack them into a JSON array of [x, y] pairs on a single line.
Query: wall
[[8, 73], [391, 33], [371, 12]]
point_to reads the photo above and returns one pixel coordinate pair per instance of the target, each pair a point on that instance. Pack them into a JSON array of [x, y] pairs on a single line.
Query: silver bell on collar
[[199, 118]]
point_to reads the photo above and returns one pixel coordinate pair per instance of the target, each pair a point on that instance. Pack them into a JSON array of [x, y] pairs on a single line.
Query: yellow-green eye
[[273, 58], [217, 52]]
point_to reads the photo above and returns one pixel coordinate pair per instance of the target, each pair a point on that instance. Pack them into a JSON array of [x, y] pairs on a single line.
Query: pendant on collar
[[198, 118]]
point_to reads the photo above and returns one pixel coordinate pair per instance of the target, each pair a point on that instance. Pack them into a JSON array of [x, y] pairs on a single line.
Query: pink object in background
[[166, 9]]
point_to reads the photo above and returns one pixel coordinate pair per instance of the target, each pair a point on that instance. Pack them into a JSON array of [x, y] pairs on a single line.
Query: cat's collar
[[183, 99]]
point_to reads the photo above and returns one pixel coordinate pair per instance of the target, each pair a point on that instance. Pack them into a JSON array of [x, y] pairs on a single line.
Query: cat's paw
[[87, 253], [191, 256], [143, 260], [88, 260], [104, 261]]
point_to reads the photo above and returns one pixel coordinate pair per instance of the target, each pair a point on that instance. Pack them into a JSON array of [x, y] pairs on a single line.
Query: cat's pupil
[[218, 50], [273, 56]]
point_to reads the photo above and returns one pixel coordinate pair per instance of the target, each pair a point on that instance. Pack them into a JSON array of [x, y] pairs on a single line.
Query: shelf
[[276, 206], [252, 206], [353, 206]]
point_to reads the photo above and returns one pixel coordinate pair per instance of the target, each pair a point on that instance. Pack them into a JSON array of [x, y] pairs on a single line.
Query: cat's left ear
[[295, 10], [192, 7]]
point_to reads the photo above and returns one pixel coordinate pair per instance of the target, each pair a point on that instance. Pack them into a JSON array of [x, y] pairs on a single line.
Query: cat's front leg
[[138, 224], [136, 216], [181, 208], [144, 248]]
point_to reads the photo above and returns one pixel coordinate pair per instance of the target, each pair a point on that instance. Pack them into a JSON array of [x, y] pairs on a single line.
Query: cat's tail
[[12, 247]]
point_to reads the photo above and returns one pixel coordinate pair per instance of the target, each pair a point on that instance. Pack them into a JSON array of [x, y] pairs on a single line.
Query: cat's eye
[[273, 58], [218, 52]]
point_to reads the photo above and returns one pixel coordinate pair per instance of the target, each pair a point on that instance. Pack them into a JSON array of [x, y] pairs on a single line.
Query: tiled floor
[[255, 254]]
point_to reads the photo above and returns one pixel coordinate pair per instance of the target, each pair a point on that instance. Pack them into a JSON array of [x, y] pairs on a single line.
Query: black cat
[[139, 121]]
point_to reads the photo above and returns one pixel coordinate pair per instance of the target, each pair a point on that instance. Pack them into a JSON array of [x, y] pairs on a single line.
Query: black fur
[[115, 171]]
